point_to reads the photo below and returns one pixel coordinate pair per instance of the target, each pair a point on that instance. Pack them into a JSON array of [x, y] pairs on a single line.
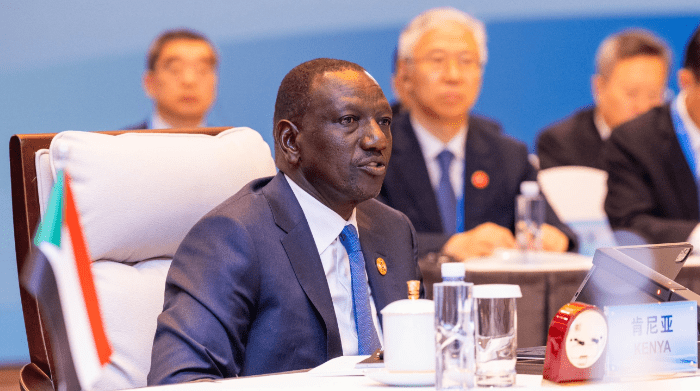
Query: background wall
[[77, 64]]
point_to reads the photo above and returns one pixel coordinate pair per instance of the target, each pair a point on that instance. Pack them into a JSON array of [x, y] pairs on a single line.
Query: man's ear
[[286, 134], [596, 85], [402, 80], [686, 78], [149, 84]]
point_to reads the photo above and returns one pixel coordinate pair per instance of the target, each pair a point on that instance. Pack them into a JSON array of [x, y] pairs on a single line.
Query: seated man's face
[[344, 138], [444, 76], [635, 85], [183, 83]]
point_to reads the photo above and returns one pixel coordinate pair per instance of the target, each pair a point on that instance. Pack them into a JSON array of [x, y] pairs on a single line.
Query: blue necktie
[[367, 339], [447, 202]]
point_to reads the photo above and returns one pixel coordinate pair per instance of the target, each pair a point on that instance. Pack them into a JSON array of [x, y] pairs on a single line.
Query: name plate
[[650, 339]]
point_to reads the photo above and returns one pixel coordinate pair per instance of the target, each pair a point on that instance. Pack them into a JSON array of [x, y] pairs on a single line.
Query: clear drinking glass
[[496, 334], [454, 335]]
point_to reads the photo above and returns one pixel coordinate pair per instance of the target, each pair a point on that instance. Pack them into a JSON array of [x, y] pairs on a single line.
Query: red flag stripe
[[87, 285]]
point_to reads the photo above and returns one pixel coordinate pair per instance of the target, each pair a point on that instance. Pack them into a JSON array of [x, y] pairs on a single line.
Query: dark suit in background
[[246, 293], [141, 125], [407, 185], [574, 141], [651, 189]]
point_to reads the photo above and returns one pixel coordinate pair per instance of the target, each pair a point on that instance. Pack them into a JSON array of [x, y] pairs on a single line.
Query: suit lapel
[[412, 173], [303, 255], [478, 156], [371, 241]]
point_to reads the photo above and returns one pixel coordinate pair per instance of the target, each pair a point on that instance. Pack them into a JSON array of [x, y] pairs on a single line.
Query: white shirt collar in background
[[157, 122], [690, 127], [600, 125], [431, 146]]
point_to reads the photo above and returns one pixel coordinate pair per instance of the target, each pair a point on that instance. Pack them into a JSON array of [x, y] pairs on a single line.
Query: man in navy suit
[[653, 165], [181, 79], [266, 281], [631, 75], [442, 151]]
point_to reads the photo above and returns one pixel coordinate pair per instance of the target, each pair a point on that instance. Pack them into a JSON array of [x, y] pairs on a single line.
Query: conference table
[[547, 281], [339, 374]]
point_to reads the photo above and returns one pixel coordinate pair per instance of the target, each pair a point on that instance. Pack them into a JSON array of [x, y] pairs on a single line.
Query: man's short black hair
[[692, 54], [293, 95], [172, 35]]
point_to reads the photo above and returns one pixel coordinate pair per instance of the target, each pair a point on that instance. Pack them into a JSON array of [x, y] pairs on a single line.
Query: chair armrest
[[31, 378]]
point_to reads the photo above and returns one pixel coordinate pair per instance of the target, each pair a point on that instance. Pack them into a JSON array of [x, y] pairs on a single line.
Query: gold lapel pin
[[381, 266]]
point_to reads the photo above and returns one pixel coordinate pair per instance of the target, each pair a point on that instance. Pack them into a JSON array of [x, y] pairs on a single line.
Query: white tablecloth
[[324, 378]]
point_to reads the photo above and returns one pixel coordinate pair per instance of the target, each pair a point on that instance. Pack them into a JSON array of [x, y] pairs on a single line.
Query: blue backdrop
[[79, 67]]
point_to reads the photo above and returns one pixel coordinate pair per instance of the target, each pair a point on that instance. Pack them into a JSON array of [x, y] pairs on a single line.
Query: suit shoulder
[[565, 127], [485, 123], [652, 122], [140, 125], [652, 125]]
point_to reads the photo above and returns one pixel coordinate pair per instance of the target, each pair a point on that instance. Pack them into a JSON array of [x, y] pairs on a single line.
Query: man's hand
[[480, 241], [553, 239]]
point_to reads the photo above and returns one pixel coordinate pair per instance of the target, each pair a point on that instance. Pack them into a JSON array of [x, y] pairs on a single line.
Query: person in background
[[181, 79], [632, 70], [293, 270], [455, 174], [653, 165]]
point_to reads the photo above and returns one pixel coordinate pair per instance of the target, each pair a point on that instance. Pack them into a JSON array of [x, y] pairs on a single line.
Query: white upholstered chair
[[138, 194], [577, 195]]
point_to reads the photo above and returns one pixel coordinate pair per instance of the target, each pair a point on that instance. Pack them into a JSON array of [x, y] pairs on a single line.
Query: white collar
[[690, 126], [324, 223], [600, 125], [157, 122], [432, 146]]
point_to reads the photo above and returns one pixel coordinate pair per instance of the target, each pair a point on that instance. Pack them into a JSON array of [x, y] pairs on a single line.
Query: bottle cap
[[413, 289], [452, 270], [529, 188], [497, 291]]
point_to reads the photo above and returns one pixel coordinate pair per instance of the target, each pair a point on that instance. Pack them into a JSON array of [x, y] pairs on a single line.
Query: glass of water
[[496, 334], [454, 336]]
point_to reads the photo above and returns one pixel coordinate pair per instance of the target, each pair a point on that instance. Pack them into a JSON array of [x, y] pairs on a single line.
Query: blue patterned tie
[[447, 202], [367, 339]]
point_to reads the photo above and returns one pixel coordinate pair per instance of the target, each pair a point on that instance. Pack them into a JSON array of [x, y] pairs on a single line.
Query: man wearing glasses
[[455, 174], [181, 79]]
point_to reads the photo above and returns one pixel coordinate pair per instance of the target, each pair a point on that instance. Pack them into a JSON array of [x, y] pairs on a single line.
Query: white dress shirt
[[157, 122], [431, 147], [325, 227]]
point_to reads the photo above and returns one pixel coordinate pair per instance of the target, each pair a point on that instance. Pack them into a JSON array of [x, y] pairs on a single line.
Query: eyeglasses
[[176, 67], [438, 61]]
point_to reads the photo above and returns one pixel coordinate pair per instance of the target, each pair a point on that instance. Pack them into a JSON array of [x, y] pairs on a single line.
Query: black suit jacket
[[246, 293], [407, 185], [574, 141], [141, 125], [651, 189]]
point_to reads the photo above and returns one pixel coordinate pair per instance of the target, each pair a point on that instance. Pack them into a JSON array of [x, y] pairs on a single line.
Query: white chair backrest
[[138, 194], [577, 195]]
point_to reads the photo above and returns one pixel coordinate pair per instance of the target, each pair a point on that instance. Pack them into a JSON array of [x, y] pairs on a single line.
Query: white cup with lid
[[409, 335]]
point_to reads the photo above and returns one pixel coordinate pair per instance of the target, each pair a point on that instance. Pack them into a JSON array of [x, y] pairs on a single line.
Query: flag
[[62, 263]]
